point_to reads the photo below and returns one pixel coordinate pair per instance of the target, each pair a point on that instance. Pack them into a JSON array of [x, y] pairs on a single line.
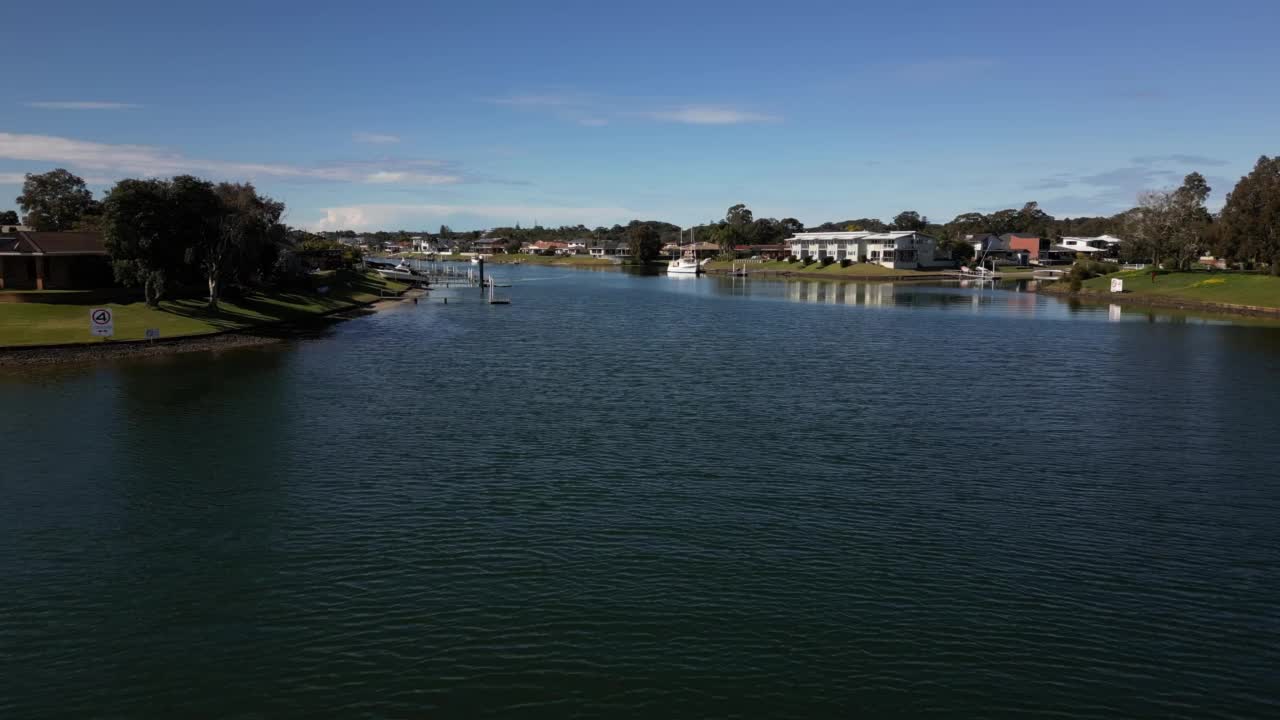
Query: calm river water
[[627, 496]]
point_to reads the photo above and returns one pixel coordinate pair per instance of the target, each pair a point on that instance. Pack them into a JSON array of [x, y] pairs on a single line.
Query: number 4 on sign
[[101, 322]]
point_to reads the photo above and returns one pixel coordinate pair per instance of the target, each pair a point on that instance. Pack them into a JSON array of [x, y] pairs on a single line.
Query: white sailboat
[[688, 264]]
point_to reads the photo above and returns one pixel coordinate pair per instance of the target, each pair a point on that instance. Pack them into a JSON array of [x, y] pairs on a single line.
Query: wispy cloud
[[709, 115], [375, 216], [547, 100], [1179, 159], [592, 111], [12, 178], [375, 138], [151, 161], [80, 105]]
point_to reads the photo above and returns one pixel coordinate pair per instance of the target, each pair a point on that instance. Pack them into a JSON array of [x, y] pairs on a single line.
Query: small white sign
[[1117, 285], [153, 333], [101, 322]]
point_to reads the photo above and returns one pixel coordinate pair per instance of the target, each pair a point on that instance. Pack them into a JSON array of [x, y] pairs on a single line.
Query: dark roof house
[[53, 261]]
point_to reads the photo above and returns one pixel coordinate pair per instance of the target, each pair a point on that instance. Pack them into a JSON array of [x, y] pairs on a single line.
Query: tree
[[8, 217], [644, 242], [55, 200], [910, 220], [1250, 219], [791, 226], [738, 215], [146, 244], [445, 233], [244, 229]]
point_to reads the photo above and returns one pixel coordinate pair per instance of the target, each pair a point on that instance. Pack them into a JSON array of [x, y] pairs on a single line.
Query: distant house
[[489, 246], [1101, 244], [1029, 244], [53, 261], [901, 249], [546, 247], [767, 252], [610, 249], [576, 247]]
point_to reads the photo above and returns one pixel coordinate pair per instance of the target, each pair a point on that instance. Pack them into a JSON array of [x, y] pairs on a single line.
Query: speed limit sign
[[101, 322]]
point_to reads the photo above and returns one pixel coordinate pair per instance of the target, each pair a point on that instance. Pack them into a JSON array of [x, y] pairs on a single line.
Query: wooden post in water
[[481, 272]]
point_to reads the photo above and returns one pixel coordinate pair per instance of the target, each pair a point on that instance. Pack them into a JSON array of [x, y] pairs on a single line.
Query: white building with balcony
[[900, 250]]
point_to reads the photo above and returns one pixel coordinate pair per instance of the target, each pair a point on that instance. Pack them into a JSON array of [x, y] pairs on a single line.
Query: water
[[646, 496]]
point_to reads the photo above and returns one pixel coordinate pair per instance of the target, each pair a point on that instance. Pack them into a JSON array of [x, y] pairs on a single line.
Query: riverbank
[[59, 326], [1218, 292]]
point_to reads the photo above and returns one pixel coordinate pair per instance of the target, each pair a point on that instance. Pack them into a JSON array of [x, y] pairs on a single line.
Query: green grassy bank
[[49, 324], [1206, 288]]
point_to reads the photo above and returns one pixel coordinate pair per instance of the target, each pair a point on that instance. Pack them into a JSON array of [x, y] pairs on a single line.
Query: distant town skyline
[[380, 118]]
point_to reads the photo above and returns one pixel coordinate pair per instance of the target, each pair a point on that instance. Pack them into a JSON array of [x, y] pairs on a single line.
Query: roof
[[859, 235], [54, 243]]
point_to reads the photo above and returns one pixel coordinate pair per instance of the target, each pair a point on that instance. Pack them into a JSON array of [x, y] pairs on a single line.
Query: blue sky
[[410, 115]]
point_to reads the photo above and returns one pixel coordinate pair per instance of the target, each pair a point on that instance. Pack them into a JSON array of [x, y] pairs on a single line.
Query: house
[[11, 229], [489, 246], [53, 261], [900, 249], [576, 247], [1102, 245], [546, 247], [986, 244], [698, 250], [767, 252], [1031, 245]]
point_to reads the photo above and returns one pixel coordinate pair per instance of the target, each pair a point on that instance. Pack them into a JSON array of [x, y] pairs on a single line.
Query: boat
[[476, 260], [402, 272], [687, 264], [684, 266]]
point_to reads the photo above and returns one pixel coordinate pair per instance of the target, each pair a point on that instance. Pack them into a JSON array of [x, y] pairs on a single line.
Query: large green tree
[[242, 234], [146, 241], [55, 200], [8, 217], [1250, 219], [644, 242], [910, 220]]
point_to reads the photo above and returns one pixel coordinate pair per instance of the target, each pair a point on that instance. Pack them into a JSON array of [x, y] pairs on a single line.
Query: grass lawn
[[834, 269], [1219, 287], [40, 324]]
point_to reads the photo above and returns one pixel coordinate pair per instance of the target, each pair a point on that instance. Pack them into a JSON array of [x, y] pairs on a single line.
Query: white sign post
[[101, 322], [1117, 285], [152, 333]]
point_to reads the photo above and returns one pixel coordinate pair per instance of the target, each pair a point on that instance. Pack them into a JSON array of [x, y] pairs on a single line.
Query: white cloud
[[709, 115], [379, 216], [80, 105], [383, 177], [9, 178], [150, 161], [595, 111], [375, 138]]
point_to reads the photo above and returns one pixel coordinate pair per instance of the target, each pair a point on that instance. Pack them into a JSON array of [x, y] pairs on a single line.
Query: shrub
[[806, 260], [791, 258], [827, 260], [1076, 282], [846, 263]]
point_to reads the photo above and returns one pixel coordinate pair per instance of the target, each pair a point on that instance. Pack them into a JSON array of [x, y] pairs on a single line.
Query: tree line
[[164, 234], [224, 228]]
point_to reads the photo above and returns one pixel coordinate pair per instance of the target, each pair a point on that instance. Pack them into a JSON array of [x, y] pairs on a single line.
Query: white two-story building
[[900, 250]]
